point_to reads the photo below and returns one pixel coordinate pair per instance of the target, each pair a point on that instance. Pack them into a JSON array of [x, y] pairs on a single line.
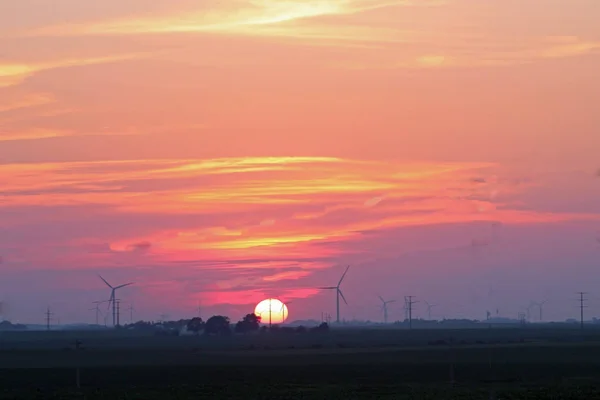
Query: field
[[345, 364]]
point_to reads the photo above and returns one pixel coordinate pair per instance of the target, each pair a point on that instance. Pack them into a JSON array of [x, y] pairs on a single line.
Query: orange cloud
[[320, 199], [12, 74], [494, 52], [27, 101], [33, 133], [247, 17]]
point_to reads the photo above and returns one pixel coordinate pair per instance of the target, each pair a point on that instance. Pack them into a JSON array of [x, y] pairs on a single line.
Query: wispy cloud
[[218, 208], [489, 54], [33, 133], [12, 74], [248, 17], [27, 101]]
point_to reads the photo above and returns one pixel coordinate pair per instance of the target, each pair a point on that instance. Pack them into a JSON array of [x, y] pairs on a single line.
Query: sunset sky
[[222, 152]]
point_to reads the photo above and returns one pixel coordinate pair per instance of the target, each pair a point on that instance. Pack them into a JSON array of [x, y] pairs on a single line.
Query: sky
[[221, 153]]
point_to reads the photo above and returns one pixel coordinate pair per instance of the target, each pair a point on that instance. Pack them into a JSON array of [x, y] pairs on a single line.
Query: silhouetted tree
[[8, 326], [250, 323], [323, 327], [195, 325], [217, 325]]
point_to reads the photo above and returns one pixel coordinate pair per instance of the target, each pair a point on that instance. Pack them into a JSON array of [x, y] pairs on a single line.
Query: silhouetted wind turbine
[[338, 294], [540, 305], [429, 307], [112, 297], [97, 309], [385, 309], [528, 309], [283, 310]]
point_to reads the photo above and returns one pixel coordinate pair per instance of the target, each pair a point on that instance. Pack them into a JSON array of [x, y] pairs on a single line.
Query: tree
[[323, 327], [217, 325], [195, 325], [250, 323]]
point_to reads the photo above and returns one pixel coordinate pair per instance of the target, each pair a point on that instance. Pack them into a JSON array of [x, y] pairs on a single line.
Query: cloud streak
[[245, 17], [217, 208], [13, 74]]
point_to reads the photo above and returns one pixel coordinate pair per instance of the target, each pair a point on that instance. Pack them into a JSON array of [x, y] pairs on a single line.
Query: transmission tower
[[582, 305], [130, 313], [408, 300], [118, 312], [48, 318]]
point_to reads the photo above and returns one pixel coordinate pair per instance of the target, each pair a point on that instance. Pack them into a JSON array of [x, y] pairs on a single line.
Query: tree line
[[220, 325]]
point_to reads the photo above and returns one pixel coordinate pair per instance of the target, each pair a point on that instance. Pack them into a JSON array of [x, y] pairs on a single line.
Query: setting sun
[[271, 311]]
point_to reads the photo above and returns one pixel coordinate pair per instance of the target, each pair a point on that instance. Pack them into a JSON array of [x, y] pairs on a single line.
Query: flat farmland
[[304, 366]]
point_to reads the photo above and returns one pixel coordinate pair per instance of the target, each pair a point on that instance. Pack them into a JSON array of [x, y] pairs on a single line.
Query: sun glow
[[272, 311]]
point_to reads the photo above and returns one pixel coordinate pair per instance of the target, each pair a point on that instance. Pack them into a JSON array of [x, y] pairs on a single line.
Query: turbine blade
[[108, 284], [122, 286], [112, 299], [343, 276], [391, 301], [328, 288], [342, 294], [381, 298]]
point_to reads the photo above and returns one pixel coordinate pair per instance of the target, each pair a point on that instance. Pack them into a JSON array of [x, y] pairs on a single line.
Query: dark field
[[345, 364]]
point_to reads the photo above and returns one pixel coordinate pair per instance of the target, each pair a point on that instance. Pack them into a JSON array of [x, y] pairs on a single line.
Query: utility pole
[[409, 303], [582, 305], [48, 318]]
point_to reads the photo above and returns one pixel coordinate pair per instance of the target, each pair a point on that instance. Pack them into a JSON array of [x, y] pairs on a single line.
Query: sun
[[272, 311]]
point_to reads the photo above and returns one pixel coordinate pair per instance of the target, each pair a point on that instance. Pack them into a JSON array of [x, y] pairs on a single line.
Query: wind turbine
[[338, 294], [112, 297], [97, 309], [429, 307], [131, 310], [540, 306], [528, 310], [385, 309], [284, 309]]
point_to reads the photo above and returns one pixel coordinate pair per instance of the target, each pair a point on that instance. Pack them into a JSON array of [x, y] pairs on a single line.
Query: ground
[[349, 364]]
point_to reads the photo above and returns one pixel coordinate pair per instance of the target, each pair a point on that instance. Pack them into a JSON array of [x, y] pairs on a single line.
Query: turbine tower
[[112, 299], [338, 294], [385, 309]]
